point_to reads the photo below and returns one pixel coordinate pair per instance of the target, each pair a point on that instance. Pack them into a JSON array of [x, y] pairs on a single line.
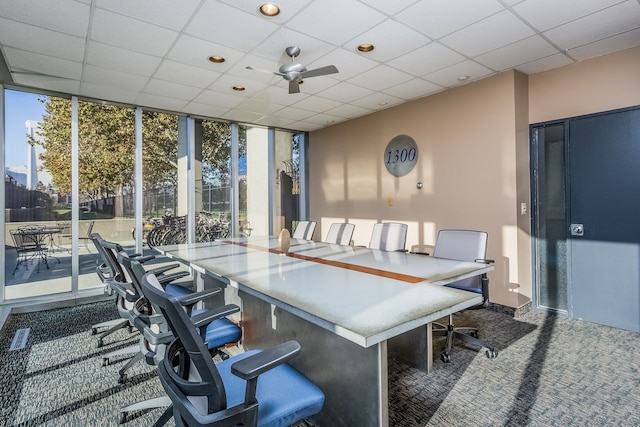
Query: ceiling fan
[[295, 72]]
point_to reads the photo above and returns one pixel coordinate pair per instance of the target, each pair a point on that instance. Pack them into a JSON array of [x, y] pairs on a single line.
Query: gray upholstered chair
[[464, 245], [340, 233], [304, 230], [389, 236]]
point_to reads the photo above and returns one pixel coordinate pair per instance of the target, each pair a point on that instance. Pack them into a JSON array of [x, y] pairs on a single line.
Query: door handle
[[577, 230]]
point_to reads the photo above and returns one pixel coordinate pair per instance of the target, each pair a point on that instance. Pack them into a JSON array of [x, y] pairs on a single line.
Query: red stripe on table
[[359, 268]]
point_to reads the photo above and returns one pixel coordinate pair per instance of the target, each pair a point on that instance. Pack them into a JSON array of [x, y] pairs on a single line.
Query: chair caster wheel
[[446, 358], [491, 354], [122, 379], [105, 362], [94, 331], [474, 334], [100, 343], [122, 417]]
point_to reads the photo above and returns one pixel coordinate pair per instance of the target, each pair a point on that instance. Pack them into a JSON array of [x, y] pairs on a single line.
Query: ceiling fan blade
[[294, 87], [329, 69], [262, 70]]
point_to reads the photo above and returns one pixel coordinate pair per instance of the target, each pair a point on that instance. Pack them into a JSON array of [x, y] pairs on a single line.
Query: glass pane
[[37, 187], [253, 173], [106, 160], [164, 171], [213, 203], [287, 187], [551, 241]]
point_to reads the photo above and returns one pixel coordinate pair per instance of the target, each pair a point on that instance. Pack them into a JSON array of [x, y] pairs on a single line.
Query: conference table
[[349, 308]]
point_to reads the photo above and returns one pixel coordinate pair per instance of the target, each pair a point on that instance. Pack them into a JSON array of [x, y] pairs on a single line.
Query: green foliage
[[107, 143]]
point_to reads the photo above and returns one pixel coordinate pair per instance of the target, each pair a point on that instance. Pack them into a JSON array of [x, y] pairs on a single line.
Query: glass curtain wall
[[213, 180], [164, 163], [286, 194], [105, 164], [257, 193], [37, 166]]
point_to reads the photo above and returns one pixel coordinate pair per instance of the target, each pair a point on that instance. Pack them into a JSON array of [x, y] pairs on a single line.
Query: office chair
[[228, 393], [107, 276], [464, 245], [388, 236], [340, 233], [304, 230], [155, 335]]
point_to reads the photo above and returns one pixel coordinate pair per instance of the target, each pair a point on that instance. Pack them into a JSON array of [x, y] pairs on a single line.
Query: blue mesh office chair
[[228, 393]]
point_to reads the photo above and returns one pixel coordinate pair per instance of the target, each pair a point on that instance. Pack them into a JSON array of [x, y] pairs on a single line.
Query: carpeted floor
[[550, 371]]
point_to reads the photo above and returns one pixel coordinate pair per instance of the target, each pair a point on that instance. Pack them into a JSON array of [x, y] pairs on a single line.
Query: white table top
[[342, 289]]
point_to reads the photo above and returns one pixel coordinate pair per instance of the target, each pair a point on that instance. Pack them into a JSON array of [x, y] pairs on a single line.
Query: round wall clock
[[401, 155]]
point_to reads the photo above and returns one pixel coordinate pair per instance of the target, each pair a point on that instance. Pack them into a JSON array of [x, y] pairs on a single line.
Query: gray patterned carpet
[[550, 371]]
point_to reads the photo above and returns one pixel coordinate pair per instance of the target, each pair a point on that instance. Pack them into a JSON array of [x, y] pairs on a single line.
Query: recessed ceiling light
[[365, 47], [382, 104], [463, 78], [269, 9], [217, 59], [238, 88]]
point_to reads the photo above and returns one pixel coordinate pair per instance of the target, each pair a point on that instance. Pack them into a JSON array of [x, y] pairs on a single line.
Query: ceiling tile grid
[[154, 53]]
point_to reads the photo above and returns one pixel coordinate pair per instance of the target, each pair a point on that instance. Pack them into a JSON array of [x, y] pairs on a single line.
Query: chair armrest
[[125, 290], [252, 366], [165, 279], [160, 270], [203, 319], [195, 297], [142, 259], [484, 261]]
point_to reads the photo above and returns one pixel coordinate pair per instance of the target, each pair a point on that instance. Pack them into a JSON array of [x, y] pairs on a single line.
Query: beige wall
[[601, 84], [467, 164], [473, 146]]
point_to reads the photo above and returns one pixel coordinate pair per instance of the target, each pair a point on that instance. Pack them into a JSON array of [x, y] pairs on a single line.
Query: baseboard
[[514, 312]]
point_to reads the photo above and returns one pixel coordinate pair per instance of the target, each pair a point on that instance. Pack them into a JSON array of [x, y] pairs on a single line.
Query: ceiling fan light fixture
[[366, 47], [216, 59], [269, 9], [238, 88]]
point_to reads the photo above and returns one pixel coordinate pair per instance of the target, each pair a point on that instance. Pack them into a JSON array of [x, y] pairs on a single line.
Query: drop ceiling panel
[[107, 93], [448, 77], [389, 7], [427, 59], [345, 92], [114, 58], [335, 21], [178, 72], [160, 102], [165, 13], [547, 14], [171, 90], [608, 22], [316, 104], [274, 48], [65, 16], [404, 40], [40, 40], [228, 26], [545, 64], [196, 52], [377, 101], [54, 84], [516, 53], [437, 18], [622, 41], [21, 60], [416, 88], [381, 77], [116, 79], [491, 33], [131, 34], [220, 99], [348, 111], [288, 8], [204, 110], [349, 63]]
